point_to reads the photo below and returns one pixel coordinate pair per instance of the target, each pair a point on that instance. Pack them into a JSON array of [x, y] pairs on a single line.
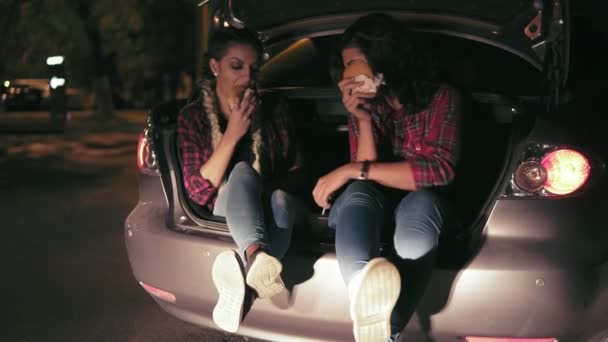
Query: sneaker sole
[[373, 302], [228, 279], [264, 276]]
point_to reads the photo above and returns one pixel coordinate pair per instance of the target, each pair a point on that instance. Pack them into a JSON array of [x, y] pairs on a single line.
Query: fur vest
[[211, 106]]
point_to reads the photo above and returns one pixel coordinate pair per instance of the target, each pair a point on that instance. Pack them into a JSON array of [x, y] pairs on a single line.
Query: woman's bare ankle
[[251, 250]]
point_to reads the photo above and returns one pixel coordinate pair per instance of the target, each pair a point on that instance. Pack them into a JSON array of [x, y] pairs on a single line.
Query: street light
[[54, 60], [57, 83]]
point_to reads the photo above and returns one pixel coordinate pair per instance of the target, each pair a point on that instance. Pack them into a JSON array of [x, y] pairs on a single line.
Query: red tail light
[[551, 172], [146, 158], [567, 171]]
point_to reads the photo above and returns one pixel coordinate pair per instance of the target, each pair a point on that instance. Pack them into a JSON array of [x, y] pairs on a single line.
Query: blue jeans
[[252, 217], [365, 212]]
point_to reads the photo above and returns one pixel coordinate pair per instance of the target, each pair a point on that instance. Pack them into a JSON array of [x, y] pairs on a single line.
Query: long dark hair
[[392, 50], [222, 39]]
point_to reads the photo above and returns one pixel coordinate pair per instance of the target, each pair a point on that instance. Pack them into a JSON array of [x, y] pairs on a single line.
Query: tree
[[124, 48], [151, 41]]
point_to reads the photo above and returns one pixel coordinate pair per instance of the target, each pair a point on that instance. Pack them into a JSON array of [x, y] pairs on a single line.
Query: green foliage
[[34, 30], [133, 42]]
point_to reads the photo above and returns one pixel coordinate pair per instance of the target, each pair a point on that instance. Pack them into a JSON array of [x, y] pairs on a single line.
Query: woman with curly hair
[[238, 155], [404, 140]]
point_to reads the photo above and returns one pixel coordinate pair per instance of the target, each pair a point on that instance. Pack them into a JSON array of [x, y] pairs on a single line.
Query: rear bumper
[[484, 299], [181, 264]]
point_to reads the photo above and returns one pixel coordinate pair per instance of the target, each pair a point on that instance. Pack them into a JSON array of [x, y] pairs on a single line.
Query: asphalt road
[[65, 273]]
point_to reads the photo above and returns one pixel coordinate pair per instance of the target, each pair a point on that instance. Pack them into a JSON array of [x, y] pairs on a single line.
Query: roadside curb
[[36, 123]]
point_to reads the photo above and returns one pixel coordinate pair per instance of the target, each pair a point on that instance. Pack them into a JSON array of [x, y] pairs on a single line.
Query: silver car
[[528, 260]]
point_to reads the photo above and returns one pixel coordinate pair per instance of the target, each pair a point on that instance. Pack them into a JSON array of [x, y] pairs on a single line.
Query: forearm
[[215, 168], [366, 146], [396, 175]]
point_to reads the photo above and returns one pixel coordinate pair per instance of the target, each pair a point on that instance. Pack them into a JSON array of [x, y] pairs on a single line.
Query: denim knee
[[361, 193], [357, 194], [280, 202], [244, 173], [360, 187], [419, 219]]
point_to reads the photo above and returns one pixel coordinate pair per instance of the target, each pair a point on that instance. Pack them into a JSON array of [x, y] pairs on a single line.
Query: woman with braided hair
[[236, 148]]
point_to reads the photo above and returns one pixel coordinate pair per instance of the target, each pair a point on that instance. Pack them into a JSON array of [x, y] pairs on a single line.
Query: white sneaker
[[228, 278], [264, 275], [373, 293]]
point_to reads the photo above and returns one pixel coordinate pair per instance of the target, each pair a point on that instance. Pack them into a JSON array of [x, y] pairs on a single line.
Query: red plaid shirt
[[196, 147], [428, 139]]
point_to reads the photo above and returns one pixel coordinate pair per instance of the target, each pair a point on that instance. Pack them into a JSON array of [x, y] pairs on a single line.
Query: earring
[[215, 74]]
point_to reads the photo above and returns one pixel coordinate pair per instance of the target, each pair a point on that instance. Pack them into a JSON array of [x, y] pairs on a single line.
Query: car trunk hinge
[[557, 59], [554, 77]]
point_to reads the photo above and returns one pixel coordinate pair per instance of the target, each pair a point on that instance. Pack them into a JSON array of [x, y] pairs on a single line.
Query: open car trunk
[[488, 126], [321, 126]]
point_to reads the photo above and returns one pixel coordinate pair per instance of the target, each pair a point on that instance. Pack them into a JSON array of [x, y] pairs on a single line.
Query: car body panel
[[538, 292]]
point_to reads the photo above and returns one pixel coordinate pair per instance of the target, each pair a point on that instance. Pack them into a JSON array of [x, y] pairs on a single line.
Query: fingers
[[347, 85], [248, 98], [354, 103], [344, 83], [361, 95], [249, 110], [246, 106], [321, 195], [351, 104], [321, 202], [353, 100], [350, 101], [239, 119]]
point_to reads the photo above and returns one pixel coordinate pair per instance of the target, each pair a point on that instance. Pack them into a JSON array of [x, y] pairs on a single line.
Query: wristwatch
[[364, 170]]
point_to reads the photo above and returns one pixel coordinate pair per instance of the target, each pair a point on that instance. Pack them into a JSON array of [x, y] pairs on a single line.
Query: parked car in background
[[20, 96], [526, 260]]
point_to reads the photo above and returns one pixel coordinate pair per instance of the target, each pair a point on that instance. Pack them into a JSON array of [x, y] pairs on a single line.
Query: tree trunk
[[103, 98], [97, 63]]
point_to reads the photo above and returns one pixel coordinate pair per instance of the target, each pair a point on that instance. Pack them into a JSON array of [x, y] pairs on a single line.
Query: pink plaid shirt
[[194, 141], [428, 139]]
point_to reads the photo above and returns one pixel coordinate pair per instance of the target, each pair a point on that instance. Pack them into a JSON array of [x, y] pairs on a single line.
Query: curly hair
[[392, 50], [224, 38]]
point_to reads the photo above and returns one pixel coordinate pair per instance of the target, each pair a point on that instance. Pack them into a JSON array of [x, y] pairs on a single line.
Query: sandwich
[[361, 72], [236, 95], [356, 68]]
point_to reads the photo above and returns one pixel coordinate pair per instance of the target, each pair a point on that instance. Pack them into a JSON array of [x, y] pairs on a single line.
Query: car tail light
[[550, 172], [158, 293], [530, 176], [146, 158], [509, 339], [567, 170]]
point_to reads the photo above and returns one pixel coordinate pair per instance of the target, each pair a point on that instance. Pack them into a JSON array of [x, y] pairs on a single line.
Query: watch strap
[[363, 174]]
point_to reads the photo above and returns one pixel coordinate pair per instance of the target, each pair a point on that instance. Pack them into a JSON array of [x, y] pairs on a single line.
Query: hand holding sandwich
[[242, 103], [358, 86], [356, 103]]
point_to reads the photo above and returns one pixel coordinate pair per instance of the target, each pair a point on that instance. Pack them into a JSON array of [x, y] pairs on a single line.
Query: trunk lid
[[535, 30]]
